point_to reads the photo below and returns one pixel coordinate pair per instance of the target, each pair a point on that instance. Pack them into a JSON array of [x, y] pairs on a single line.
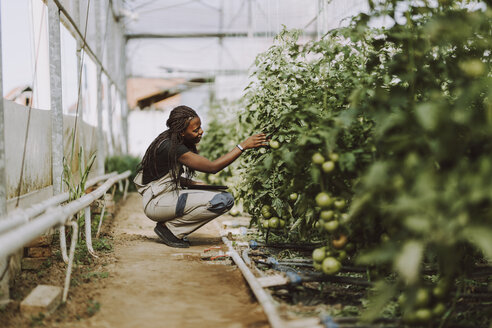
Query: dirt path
[[152, 285]]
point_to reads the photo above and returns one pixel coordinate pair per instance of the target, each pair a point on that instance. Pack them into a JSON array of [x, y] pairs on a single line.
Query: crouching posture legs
[[179, 214]]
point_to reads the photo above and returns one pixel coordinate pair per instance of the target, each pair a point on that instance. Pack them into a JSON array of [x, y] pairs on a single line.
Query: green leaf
[[481, 237], [380, 255], [417, 224], [428, 115], [382, 294], [407, 263]]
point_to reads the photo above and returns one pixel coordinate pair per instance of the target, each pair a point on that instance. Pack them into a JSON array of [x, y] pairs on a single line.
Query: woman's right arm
[[203, 164]]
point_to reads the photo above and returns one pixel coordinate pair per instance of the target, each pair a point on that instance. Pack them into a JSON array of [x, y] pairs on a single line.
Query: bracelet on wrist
[[240, 147]]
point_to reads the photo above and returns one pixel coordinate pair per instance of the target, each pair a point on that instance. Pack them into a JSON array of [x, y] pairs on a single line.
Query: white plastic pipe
[[101, 217], [14, 239], [261, 295], [63, 244], [75, 233], [125, 189], [20, 216], [88, 230]]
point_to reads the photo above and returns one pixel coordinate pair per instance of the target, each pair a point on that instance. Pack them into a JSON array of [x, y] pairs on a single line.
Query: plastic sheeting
[[218, 37]]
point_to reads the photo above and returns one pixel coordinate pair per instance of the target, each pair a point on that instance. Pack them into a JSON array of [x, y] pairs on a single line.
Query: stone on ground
[[43, 299]]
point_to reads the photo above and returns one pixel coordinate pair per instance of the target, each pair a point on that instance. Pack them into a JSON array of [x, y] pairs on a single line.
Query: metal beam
[[4, 261], [56, 97], [123, 97], [205, 35], [101, 153]]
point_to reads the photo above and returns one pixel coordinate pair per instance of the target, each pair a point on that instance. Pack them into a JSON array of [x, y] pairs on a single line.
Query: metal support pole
[[4, 262], [56, 97], [56, 109], [320, 19], [124, 104], [78, 20], [111, 103], [250, 19], [101, 153], [100, 134]]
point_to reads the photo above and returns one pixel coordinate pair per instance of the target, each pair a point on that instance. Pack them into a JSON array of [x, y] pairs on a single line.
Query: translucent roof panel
[[192, 56], [218, 16], [219, 38]]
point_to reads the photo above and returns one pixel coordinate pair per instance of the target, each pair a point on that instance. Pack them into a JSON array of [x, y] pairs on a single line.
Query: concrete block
[[29, 263], [41, 241], [43, 299], [39, 251]]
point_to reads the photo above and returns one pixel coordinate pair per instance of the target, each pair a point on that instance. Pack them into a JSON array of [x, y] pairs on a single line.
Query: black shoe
[[168, 238]]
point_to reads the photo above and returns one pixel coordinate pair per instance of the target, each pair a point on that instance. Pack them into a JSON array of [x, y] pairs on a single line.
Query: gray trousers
[[188, 210]]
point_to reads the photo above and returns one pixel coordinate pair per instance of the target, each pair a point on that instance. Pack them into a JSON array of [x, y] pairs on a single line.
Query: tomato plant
[[384, 136]]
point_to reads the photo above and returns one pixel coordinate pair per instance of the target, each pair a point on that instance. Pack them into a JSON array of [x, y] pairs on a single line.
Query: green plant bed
[[121, 164]]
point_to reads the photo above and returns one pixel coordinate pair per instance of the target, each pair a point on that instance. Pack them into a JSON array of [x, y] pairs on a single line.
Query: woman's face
[[193, 133]]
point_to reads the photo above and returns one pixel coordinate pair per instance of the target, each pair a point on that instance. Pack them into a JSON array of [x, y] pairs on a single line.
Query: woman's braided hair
[[178, 121]]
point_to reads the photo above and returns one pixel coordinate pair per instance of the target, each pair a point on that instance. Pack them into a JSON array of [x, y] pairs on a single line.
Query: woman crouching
[[176, 210]]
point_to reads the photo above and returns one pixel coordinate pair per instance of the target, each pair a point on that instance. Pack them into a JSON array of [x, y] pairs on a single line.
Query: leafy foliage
[[122, 163], [404, 115]]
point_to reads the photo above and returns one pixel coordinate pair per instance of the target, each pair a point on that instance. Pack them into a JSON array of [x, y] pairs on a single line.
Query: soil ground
[[143, 283]]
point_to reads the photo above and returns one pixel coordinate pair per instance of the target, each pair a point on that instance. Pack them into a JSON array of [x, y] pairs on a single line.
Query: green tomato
[[342, 255], [281, 223], [339, 203], [331, 226], [273, 222], [423, 315], [265, 224], [422, 297], [331, 265], [344, 218], [319, 254], [439, 309], [472, 67], [326, 215], [323, 200], [349, 247], [274, 144], [402, 299], [317, 266], [333, 156], [328, 166], [266, 211], [293, 196], [318, 159], [441, 289]]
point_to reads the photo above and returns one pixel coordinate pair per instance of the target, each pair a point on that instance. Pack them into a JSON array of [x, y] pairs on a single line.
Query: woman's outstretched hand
[[256, 140]]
